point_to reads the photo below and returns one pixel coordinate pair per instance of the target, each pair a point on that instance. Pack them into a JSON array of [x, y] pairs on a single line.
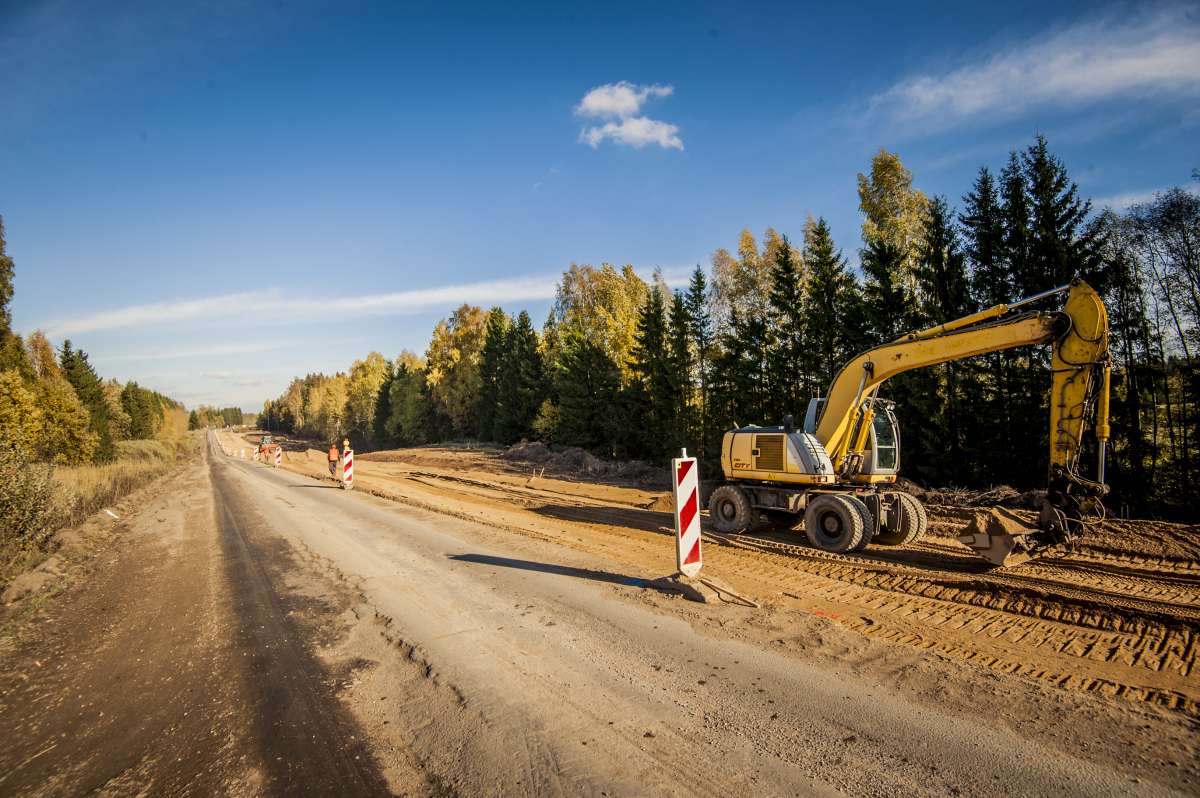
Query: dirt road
[[260, 631]]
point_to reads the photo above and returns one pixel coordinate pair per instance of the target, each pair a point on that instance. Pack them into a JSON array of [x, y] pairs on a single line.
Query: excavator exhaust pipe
[[999, 537]]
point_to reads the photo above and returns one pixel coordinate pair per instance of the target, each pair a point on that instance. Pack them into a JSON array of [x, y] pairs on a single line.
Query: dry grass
[[85, 490]]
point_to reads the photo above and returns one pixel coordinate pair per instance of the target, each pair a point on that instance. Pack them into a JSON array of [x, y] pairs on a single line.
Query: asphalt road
[[278, 636]]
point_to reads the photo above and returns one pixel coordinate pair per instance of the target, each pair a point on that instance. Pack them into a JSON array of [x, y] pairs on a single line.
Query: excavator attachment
[[1001, 538]]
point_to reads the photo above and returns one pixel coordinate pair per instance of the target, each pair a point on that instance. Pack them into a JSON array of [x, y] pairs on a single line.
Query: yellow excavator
[[836, 470]]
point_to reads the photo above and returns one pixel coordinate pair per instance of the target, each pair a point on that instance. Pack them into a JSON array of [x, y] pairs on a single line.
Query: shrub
[[29, 504]]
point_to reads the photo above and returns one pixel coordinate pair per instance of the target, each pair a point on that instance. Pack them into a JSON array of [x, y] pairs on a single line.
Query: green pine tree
[[786, 359], [522, 384], [702, 337], [77, 371], [831, 300], [649, 398], [381, 438], [491, 363], [588, 384]]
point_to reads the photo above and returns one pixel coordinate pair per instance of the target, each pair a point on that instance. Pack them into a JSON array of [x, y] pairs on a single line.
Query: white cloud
[[1121, 202], [269, 308], [1153, 57], [621, 102], [619, 99], [639, 132], [249, 381], [220, 375]]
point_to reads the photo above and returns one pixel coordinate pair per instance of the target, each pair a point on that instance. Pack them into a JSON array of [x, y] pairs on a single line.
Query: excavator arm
[[1080, 369]]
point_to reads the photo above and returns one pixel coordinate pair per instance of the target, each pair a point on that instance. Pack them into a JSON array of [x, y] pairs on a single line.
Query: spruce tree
[[588, 382], [77, 371], [888, 306], [381, 438], [491, 364], [786, 359], [936, 434], [522, 384], [697, 306], [834, 331], [649, 399], [680, 365], [1064, 243]]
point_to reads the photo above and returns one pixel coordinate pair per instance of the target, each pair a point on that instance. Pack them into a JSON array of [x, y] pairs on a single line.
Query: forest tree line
[[53, 404], [633, 369]]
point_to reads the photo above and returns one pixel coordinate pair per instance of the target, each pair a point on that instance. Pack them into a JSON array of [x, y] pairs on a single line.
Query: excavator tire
[[915, 510], [913, 523], [730, 511], [833, 523], [868, 522]]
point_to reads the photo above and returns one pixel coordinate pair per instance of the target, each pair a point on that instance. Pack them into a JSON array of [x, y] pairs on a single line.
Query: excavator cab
[[881, 457]]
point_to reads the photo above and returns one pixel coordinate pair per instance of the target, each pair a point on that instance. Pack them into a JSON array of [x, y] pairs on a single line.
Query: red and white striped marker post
[[256, 454], [278, 456], [686, 483], [348, 469]]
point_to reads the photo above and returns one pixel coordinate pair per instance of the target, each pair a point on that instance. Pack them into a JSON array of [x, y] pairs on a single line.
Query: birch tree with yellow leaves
[[452, 367], [892, 211]]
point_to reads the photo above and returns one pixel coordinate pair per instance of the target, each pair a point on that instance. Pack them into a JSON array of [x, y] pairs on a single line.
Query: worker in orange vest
[[333, 460]]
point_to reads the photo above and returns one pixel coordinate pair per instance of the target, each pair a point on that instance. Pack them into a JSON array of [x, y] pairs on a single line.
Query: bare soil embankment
[[1119, 615]]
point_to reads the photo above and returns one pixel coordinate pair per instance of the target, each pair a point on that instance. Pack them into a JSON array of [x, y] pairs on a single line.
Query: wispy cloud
[[620, 103], [1153, 57], [249, 381], [270, 308], [1120, 202]]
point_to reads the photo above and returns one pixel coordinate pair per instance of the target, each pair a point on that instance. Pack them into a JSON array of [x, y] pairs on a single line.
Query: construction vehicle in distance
[[837, 468]]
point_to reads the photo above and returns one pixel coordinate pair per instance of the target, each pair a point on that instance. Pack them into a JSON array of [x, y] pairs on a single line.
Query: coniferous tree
[[830, 300], [649, 396], [937, 396], [193, 421], [77, 371], [683, 425], [381, 438], [889, 308], [697, 307], [491, 363], [522, 384], [786, 359], [135, 402], [588, 383]]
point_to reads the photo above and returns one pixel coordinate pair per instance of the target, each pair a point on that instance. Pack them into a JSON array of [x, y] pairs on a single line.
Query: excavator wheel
[[730, 510], [868, 522], [913, 523], [833, 523]]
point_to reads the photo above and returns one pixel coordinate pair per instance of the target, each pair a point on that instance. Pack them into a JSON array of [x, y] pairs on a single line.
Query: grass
[[83, 491]]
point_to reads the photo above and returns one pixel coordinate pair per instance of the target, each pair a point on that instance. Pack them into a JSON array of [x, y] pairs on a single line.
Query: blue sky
[[214, 197]]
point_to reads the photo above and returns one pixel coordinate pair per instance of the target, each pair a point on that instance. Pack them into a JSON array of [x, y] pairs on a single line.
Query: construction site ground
[[896, 671], [1117, 617]]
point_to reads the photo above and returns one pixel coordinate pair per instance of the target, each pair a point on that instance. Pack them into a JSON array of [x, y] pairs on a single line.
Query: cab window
[[885, 443]]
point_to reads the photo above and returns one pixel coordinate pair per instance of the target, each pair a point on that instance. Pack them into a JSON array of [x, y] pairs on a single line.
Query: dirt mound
[[583, 462], [997, 522], [999, 496], [526, 452]]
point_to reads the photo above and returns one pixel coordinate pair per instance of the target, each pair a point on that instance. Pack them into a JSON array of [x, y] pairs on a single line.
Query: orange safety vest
[[333, 454]]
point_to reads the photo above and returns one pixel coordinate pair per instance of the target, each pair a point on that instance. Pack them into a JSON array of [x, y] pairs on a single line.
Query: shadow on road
[[545, 568]]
